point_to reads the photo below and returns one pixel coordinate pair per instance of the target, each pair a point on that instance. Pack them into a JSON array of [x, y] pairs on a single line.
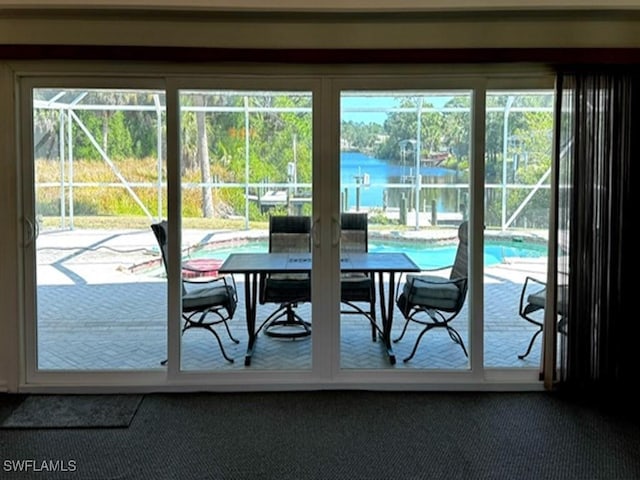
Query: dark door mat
[[74, 411]]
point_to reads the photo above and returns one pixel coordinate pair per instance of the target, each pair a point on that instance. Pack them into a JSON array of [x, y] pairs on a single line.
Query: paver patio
[[94, 312]]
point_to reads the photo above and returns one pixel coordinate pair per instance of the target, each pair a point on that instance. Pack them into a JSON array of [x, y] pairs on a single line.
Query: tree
[[402, 126], [360, 136], [202, 156]]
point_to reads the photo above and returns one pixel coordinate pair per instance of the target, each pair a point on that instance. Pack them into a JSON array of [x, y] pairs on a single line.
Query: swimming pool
[[426, 256]]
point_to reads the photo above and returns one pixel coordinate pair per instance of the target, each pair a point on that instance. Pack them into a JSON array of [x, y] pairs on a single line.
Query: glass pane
[[246, 157], [517, 201], [405, 164], [99, 162]]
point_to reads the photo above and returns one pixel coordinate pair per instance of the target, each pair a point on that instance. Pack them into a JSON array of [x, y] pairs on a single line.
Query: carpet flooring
[[339, 435]]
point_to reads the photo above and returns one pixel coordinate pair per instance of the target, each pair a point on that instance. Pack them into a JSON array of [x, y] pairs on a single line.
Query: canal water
[[355, 166]]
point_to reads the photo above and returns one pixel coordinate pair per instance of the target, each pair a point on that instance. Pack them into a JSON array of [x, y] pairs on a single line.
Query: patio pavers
[[94, 313]]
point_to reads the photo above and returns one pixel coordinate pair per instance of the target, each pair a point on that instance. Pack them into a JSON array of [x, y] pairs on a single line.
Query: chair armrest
[[431, 282], [227, 280], [424, 270], [446, 267], [529, 282], [201, 267], [459, 282], [438, 293], [200, 280], [532, 280]]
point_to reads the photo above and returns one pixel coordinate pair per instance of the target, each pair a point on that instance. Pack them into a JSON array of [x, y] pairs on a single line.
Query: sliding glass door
[[404, 165], [246, 156], [517, 191], [449, 172], [96, 175]]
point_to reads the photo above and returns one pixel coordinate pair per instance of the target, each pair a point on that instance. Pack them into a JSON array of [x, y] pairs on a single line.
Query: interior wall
[[224, 30], [325, 31]]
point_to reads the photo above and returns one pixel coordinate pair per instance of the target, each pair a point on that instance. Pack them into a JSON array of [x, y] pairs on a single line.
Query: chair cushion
[[431, 291], [355, 279], [274, 278], [202, 298], [356, 287], [538, 298], [287, 288]]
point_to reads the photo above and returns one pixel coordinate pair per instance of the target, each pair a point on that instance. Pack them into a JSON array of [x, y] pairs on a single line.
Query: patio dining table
[[252, 265]]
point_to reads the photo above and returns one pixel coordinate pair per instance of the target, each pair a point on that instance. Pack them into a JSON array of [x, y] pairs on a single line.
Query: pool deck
[[99, 309]]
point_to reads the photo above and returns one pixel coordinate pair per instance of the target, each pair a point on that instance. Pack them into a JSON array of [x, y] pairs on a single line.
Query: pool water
[[425, 256]]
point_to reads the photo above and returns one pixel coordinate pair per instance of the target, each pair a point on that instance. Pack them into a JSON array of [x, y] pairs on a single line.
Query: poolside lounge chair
[[357, 288], [287, 233], [205, 304], [434, 301]]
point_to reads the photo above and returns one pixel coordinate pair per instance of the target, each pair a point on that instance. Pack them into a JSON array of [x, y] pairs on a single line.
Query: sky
[[357, 109]]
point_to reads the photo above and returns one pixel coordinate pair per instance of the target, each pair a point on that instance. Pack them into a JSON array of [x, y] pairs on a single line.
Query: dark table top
[[301, 262]]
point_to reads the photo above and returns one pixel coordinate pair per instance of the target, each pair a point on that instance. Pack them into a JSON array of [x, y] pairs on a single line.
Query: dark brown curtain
[[598, 208]]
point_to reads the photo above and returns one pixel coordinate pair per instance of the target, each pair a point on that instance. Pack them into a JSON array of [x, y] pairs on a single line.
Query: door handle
[[335, 231], [31, 232], [315, 235]]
